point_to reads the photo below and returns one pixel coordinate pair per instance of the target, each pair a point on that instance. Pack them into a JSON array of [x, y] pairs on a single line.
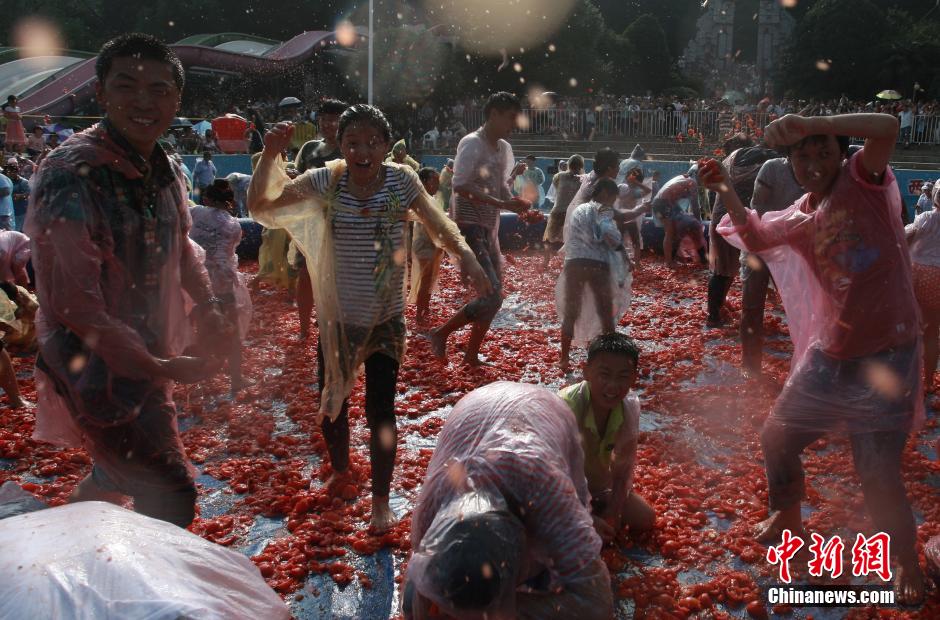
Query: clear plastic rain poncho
[[347, 343], [218, 233], [582, 196], [86, 271], [516, 447], [14, 254], [424, 254], [844, 274], [594, 235], [97, 560]]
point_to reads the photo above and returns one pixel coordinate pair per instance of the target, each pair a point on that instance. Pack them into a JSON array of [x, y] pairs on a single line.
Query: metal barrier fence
[[712, 124], [579, 123]]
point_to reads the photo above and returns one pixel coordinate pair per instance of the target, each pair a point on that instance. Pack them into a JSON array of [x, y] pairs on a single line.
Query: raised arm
[[879, 130], [270, 187]]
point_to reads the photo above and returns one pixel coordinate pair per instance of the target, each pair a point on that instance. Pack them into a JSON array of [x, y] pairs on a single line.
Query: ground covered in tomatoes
[[699, 460]]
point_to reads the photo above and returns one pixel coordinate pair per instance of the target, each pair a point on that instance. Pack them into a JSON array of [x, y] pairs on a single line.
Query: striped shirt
[[486, 170], [520, 442], [367, 237]]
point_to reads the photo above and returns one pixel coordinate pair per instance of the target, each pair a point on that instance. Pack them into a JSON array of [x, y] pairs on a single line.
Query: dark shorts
[[487, 254], [866, 394]]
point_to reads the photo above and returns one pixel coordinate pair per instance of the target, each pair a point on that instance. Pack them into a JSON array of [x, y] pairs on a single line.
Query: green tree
[[651, 67], [838, 47]]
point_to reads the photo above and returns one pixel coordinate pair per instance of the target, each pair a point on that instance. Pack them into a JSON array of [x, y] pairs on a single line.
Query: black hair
[[605, 159], [615, 344], [532, 157], [141, 46], [735, 142], [501, 102], [604, 185], [819, 139], [478, 560], [364, 113], [219, 191], [426, 173], [332, 106]]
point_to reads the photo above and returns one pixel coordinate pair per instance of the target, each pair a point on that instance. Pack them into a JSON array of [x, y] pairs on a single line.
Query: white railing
[[577, 123], [712, 124]]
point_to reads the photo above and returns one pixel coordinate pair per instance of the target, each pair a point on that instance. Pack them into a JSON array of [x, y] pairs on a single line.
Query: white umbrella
[[289, 102]]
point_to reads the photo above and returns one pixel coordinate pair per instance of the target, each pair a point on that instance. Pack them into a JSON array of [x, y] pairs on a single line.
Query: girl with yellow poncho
[[349, 221]]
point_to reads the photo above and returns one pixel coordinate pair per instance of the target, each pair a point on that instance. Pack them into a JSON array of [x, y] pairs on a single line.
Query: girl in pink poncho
[[839, 258]]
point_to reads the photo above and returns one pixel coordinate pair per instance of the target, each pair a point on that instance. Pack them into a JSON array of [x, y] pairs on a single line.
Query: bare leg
[[423, 304], [477, 333], [383, 519], [8, 381], [88, 491], [565, 363], [771, 529], [637, 514], [440, 335]]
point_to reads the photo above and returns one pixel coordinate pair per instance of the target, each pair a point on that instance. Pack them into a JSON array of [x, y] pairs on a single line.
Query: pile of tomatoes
[[699, 461]]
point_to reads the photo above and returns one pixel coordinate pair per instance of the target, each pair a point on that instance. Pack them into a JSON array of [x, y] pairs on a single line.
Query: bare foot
[[383, 519], [564, 366], [475, 361], [771, 529], [909, 584], [438, 345]]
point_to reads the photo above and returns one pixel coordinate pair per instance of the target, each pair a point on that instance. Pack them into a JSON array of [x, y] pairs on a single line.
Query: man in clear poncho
[[109, 225], [839, 259], [349, 220], [502, 528]]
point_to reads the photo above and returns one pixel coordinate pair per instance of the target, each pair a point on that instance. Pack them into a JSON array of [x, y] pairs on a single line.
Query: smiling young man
[[839, 258], [608, 416], [109, 222]]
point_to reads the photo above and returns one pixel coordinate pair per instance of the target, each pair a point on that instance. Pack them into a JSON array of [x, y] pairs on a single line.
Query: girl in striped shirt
[[348, 220]]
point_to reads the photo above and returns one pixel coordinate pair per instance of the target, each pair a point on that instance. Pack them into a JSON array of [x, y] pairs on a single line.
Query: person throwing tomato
[[839, 258]]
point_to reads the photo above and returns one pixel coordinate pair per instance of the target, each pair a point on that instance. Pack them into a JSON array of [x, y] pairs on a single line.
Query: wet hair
[[735, 142], [220, 191], [819, 139], [366, 114], [576, 162], [605, 159], [501, 102], [140, 46], [602, 186], [426, 173], [332, 106], [477, 560], [615, 344]]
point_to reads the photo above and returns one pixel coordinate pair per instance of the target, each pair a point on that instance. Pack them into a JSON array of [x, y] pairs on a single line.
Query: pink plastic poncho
[[82, 281], [520, 445], [14, 254], [218, 233], [844, 275]]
